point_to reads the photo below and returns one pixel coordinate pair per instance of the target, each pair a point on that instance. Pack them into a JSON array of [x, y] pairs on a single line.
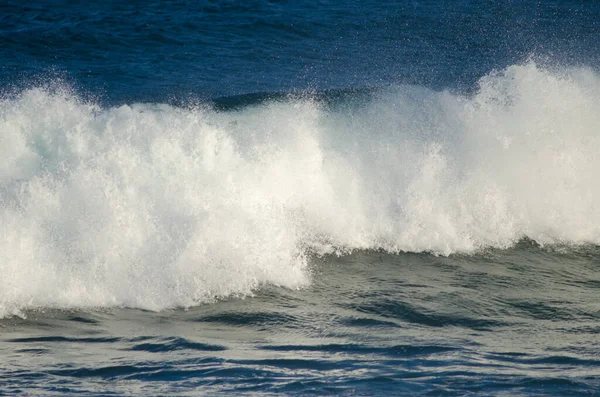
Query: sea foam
[[155, 206]]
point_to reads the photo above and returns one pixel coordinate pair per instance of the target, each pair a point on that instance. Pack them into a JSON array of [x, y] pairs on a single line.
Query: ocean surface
[[300, 198]]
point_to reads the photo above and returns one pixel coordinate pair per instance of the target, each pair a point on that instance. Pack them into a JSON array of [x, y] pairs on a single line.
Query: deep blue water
[[362, 198], [151, 51]]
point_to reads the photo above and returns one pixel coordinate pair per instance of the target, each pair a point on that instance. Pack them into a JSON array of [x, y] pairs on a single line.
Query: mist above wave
[[154, 206]]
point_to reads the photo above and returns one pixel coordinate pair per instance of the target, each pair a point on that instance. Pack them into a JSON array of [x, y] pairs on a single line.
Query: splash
[[153, 206]]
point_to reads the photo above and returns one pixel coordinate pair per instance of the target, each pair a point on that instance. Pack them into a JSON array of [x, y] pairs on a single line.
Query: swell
[[155, 206]]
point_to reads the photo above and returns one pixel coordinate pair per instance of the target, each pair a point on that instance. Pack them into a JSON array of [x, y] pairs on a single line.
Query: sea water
[[303, 198]]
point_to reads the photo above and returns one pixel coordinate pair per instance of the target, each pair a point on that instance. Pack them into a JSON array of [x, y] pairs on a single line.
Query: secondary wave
[[154, 206]]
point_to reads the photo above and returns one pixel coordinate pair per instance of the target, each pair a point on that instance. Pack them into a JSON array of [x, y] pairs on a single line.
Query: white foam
[[152, 206]]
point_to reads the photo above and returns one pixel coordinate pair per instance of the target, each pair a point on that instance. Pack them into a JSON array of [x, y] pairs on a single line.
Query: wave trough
[[154, 206]]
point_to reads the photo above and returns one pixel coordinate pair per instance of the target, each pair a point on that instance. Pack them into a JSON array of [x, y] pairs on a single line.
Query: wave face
[[154, 206]]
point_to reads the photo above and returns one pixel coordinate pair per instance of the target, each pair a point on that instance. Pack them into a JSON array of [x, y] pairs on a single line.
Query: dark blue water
[[300, 198], [150, 51]]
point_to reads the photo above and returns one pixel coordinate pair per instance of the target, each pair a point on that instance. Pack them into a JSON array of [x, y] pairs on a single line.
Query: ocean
[[360, 198]]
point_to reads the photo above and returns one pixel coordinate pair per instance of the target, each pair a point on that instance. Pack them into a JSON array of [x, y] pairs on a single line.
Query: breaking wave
[[155, 206]]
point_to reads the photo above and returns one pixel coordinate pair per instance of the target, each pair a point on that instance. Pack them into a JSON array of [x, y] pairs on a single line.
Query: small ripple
[[249, 319], [367, 322], [111, 372], [408, 313], [296, 364], [34, 352], [518, 358], [63, 339], [541, 311], [238, 374], [551, 382], [173, 344], [21, 375], [83, 320], [392, 351]]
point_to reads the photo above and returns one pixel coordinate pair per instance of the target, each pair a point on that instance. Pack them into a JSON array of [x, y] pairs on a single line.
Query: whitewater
[[155, 206]]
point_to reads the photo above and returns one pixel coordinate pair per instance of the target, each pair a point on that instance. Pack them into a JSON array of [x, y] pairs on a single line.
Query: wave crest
[[154, 206]]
